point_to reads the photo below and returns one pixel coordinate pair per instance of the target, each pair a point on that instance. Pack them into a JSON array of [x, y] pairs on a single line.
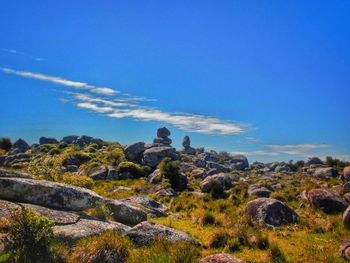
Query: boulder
[[219, 167], [134, 151], [20, 146], [50, 194], [259, 191], [145, 233], [98, 173], [186, 142], [163, 132], [344, 250], [198, 173], [153, 156], [86, 227], [126, 213], [155, 177], [166, 192], [326, 200], [346, 174], [346, 217], [76, 159], [147, 204], [314, 160], [221, 258], [164, 141], [84, 140], [16, 158], [6, 208], [226, 180], [47, 140], [70, 139], [328, 172], [112, 173], [270, 212], [5, 173], [239, 162]]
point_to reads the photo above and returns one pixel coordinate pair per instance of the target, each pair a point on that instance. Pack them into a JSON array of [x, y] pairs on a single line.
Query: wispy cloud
[[61, 81], [16, 52], [118, 105], [296, 149]]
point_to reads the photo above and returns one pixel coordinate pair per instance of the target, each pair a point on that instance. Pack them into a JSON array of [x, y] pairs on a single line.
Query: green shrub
[[115, 156], [5, 144], [129, 167], [30, 236], [276, 254], [105, 248], [233, 244], [170, 170]]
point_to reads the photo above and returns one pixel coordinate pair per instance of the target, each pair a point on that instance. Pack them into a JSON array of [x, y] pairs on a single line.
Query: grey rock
[[98, 173], [198, 173], [346, 217], [226, 180], [112, 173], [47, 140], [147, 204], [239, 162], [163, 132], [5, 173], [221, 258], [344, 250], [314, 160], [219, 167], [145, 233], [7, 208], [70, 139], [166, 192], [153, 156], [126, 213], [20, 145], [270, 212], [326, 200], [49, 194], [16, 158], [71, 168], [328, 172], [134, 151], [259, 191], [86, 227], [164, 141], [155, 177], [186, 142]]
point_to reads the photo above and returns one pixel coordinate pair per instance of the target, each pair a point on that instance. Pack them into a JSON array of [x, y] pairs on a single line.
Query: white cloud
[[296, 149], [61, 81], [16, 52], [94, 107]]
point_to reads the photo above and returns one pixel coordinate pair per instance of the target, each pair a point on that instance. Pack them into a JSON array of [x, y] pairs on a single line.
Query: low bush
[[219, 239], [132, 168], [170, 170], [105, 248], [203, 217], [5, 144]]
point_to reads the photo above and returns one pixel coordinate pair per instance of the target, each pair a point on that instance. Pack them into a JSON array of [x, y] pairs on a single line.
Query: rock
[[16, 158], [346, 217], [2, 160], [134, 151], [163, 132], [344, 250], [50, 194], [59, 217], [120, 189], [70, 139], [76, 159], [153, 156], [20, 145], [186, 142], [209, 156], [155, 177], [219, 167], [221, 258], [346, 197], [5, 173], [112, 173], [226, 181], [145, 233], [166, 192], [72, 168], [239, 162], [164, 141], [98, 173], [47, 140], [201, 163], [198, 173], [346, 174], [125, 213], [328, 172], [326, 200], [270, 212], [186, 166], [148, 205], [86, 140], [259, 191], [6, 208], [283, 168], [86, 227]]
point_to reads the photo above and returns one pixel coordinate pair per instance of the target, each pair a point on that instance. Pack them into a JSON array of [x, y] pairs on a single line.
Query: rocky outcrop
[[20, 146], [324, 172], [270, 212], [47, 140], [163, 137], [134, 151], [98, 173], [221, 258], [326, 200], [55, 195], [15, 158], [153, 156], [145, 233], [126, 213], [186, 143], [70, 139], [6, 173], [239, 162]]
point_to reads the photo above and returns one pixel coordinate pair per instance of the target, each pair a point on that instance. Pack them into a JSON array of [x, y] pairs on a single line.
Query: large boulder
[[239, 162], [153, 156], [219, 167], [5, 173], [98, 173], [86, 227], [314, 160], [163, 132], [50, 194], [47, 140], [328, 172], [134, 151], [225, 179], [16, 158], [346, 174], [126, 213], [326, 200], [145, 233], [269, 212], [20, 146], [149, 205], [70, 139], [221, 258]]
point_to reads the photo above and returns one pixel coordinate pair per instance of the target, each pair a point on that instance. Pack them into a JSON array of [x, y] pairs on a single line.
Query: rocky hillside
[[106, 202]]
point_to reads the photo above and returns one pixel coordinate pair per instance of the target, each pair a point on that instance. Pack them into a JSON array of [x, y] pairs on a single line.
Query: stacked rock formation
[[163, 137], [186, 143]]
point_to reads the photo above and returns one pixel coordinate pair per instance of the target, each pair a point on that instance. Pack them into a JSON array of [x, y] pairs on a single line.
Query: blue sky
[[266, 78]]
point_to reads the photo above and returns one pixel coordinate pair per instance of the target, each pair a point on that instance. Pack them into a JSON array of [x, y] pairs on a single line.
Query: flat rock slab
[[86, 227], [6, 208], [6, 173], [49, 194], [221, 258], [146, 232], [59, 217], [148, 204]]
